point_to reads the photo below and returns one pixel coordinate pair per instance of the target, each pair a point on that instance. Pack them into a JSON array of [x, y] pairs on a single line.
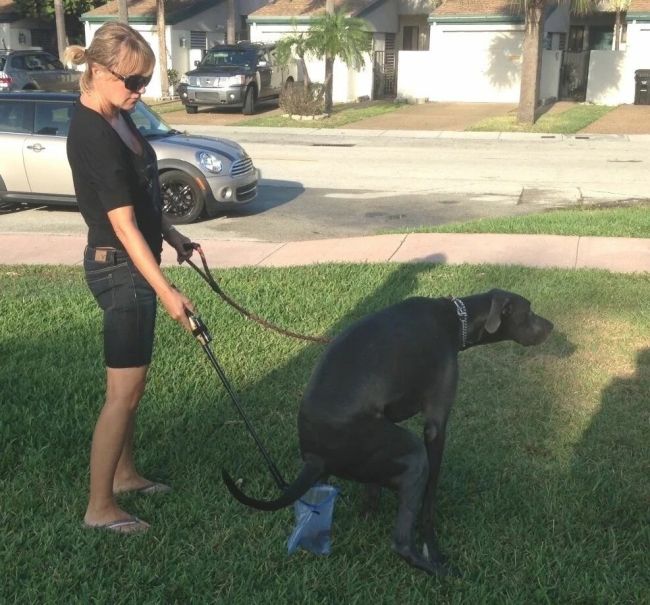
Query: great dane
[[381, 370]]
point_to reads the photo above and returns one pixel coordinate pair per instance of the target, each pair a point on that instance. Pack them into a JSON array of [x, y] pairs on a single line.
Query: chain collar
[[461, 312]]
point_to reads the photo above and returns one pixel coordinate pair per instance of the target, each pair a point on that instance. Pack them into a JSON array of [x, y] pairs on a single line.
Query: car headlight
[[184, 80], [210, 161], [233, 80]]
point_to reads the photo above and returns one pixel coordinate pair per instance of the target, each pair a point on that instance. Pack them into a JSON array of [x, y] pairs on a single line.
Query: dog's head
[[511, 318]]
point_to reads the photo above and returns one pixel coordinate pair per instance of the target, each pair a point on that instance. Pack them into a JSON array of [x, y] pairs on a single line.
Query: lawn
[[566, 122], [629, 220], [544, 492]]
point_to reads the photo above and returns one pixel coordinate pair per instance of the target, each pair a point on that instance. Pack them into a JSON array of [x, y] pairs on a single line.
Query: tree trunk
[[329, 67], [329, 83], [59, 17], [122, 11], [617, 30], [531, 68], [231, 24], [162, 47]]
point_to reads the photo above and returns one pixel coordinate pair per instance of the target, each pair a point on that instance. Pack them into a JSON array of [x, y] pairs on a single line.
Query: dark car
[[198, 174], [235, 75], [35, 70]]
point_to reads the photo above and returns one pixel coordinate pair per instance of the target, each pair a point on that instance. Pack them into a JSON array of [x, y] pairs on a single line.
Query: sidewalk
[[625, 255]]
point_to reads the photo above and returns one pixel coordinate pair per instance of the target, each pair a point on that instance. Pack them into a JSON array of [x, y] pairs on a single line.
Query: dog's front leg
[[434, 438]]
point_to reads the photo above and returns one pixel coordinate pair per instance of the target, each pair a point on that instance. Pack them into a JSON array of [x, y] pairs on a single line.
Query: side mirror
[[196, 63]]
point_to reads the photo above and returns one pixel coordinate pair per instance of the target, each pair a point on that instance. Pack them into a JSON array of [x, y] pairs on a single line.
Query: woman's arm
[[124, 224]]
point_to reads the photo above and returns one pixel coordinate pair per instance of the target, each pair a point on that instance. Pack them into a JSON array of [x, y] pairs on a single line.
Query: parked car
[[198, 174], [235, 75], [35, 70]]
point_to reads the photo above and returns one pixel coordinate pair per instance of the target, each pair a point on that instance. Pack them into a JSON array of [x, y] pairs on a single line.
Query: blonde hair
[[114, 44]]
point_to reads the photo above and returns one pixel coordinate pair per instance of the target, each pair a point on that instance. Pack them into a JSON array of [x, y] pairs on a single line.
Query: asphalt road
[[334, 184]]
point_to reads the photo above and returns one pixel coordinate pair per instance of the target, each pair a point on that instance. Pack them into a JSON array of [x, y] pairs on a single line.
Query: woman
[[116, 184]]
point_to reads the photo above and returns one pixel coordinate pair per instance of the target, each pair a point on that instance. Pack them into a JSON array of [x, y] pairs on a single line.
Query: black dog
[[386, 368]]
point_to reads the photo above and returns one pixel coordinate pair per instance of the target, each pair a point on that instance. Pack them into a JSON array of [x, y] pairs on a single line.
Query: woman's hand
[[180, 243], [176, 304]]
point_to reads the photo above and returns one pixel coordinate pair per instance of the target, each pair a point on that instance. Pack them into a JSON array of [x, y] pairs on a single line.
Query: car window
[[15, 116], [18, 62], [228, 58], [53, 118], [3, 60], [149, 123]]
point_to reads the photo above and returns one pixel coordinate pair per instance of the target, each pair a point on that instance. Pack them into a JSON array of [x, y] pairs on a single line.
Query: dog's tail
[[312, 470]]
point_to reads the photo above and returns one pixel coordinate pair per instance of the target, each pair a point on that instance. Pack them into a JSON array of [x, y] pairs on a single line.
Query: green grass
[[342, 114], [631, 220], [566, 122], [544, 491]]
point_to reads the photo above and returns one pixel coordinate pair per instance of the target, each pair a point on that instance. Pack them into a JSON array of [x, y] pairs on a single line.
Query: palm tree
[[531, 66], [337, 36], [294, 45], [619, 7]]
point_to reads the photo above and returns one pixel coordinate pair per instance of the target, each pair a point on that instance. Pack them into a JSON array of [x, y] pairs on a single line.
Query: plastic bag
[[314, 513]]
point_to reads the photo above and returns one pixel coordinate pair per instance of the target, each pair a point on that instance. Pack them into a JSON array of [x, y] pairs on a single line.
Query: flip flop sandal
[[147, 490], [130, 525], [154, 488]]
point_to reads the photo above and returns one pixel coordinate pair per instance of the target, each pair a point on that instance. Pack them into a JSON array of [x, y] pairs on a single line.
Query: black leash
[[212, 282], [200, 331]]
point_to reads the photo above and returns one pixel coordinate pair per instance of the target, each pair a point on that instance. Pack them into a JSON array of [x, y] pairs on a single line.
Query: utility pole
[[59, 18], [162, 47], [231, 25], [122, 11]]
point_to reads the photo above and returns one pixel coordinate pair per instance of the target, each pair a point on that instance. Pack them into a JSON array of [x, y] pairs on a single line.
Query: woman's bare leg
[[112, 441]]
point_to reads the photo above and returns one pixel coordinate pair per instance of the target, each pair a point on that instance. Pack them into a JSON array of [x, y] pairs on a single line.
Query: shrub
[[303, 101]]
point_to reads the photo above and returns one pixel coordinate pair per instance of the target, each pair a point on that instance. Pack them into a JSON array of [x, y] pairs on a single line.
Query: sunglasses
[[134, 83]]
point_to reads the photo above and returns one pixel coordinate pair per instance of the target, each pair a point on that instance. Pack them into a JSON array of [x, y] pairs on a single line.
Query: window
[[51, 118], [199, 40], [410, 36], [15, 116], [601, 38], [576, 38]]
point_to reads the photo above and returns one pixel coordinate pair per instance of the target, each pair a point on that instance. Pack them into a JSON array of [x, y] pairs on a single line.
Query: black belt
[[110, 256]]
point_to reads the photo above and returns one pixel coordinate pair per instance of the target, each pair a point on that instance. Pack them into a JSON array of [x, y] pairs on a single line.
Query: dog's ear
[[498, 308]]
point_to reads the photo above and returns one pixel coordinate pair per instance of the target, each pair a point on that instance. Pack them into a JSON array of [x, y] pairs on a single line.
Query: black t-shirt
[[108, 175]]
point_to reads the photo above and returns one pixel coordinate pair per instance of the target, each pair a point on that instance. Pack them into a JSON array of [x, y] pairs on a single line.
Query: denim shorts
[[129, 306]]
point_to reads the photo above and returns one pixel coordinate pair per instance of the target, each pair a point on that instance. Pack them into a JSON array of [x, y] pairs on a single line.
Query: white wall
[[466, 63], [549, 85], [608, 75], [10, 33]]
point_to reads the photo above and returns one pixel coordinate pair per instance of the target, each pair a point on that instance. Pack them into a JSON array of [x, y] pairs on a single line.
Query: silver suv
[[198, 175], [35, 70]]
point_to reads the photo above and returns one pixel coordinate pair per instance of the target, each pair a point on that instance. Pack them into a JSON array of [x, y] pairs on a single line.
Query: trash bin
[[641, 92]]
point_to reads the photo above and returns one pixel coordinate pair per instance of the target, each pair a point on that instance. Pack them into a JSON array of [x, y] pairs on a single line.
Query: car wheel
[[191, 108], [249, 101], [182, 200]]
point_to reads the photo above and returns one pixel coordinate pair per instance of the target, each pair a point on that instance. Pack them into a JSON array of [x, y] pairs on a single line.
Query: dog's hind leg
[[410, 484]]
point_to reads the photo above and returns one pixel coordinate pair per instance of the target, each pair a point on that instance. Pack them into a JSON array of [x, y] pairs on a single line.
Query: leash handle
[[199, 329]]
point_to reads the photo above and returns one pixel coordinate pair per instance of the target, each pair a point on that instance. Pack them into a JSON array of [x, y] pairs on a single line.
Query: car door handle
[[36, 147]]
